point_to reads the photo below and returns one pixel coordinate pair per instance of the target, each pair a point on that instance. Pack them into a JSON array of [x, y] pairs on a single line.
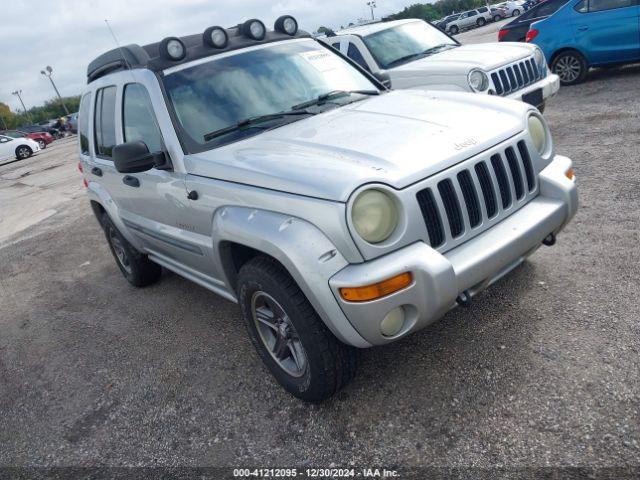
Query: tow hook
[[550, 241], [464, 299]]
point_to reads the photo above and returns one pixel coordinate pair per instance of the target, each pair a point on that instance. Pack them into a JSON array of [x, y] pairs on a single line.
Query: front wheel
[[571, 67], [497, 18], [42, 144], [302, 354], [515, 13], [23, 152]]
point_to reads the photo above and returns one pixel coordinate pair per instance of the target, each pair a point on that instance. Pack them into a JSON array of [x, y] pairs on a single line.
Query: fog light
[[173, 49], [287, 25], [215, 37], [393, 322], [254, 29]]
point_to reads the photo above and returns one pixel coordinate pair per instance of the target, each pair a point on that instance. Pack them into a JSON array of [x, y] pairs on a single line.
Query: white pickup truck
[[414, 54]]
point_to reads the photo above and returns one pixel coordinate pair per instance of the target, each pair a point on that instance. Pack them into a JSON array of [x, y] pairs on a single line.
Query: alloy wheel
[[568, 68], [23, 152], [121, 254], [278, 334]]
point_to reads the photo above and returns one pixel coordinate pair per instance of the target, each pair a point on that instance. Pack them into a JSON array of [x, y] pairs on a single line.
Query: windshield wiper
[[404, 59], [252, 123], [325, 97], [437, 48]]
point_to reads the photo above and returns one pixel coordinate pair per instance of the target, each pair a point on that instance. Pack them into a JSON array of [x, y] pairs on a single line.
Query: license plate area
[[534, 98]]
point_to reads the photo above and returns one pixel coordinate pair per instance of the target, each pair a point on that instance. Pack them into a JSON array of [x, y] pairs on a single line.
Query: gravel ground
[[542, 371]]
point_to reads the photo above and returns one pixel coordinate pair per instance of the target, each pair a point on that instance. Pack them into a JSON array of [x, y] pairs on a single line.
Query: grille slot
[[431, 217], [518, 184], [470, 198], [451, 207], [503, 181], [488, 193], [528, 166]]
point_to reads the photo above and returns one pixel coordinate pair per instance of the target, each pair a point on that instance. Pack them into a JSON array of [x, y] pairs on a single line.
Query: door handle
[[583, 28], [131, 181], [96, 171]]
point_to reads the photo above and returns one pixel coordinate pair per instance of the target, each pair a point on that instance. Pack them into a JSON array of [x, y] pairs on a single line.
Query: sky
[[68, 34]]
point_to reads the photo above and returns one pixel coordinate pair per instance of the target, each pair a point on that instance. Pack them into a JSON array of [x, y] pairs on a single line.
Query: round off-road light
[[393, 322], [215, 37], [287, 25], [478, 80], [254, 29], [539, 134], [173, 49], [374, 215]]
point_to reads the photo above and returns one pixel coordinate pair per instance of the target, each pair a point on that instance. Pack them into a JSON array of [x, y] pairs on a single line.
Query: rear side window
[[83, 123], [546, 9], [336, 45], [138, 119], [482, 9], [472, 14], [354, 54], [104, 121], [600, 5]]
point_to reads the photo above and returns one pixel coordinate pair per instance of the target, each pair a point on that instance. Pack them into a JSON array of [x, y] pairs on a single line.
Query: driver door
[[7, 149]]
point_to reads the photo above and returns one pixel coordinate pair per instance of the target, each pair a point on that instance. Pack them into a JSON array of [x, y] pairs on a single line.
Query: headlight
[[478, 80], [374, 215], [539, 134], [540, 60]]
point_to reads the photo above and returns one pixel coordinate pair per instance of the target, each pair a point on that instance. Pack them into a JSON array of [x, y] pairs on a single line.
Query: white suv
[[470, 19]]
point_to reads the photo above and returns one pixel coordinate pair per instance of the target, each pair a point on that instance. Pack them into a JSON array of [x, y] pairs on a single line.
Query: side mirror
[[134, 157], [384, 79]]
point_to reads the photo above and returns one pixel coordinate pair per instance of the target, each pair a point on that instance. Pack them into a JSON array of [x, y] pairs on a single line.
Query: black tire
[[136, 267], [542, 107], [23, 152], [42, 144], [570, 66], [481, 22], [453, 29], [515, 13], [497, 18], [326, 364]]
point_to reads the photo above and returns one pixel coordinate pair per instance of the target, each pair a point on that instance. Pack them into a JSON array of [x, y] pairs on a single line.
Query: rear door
[[608, 30]]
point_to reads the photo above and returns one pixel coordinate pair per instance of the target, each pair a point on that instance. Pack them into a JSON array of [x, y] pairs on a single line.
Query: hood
[[397, 138], [487, 56]]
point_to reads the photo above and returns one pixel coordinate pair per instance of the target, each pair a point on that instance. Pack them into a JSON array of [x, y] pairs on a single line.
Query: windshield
[[224, 92], [397, 45]]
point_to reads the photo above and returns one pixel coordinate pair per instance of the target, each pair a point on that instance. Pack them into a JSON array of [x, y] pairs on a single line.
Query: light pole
[[372, 5], [47, 73], [18, 93]]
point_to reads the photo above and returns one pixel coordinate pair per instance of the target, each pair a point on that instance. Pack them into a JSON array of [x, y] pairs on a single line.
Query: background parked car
[[19, 148], [40, 128], [470, 19], [41, 138], [516, 30], [498, 13], [72, 123], [588, 33], [443, 22], [513, 9]]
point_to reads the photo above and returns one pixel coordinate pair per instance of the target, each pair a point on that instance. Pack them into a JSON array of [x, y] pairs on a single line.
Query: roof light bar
[[215, 37], [254, 29], [286, 24], [172, 48]]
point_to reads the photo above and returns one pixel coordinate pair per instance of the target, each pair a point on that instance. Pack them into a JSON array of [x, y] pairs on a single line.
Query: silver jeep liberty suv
[[277, 173]]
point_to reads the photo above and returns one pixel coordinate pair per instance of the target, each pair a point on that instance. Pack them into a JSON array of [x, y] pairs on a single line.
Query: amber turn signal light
[[570, 174], [377, 290]]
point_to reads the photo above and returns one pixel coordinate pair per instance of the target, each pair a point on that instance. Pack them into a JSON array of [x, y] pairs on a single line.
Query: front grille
[[460, 201], [514, 77]]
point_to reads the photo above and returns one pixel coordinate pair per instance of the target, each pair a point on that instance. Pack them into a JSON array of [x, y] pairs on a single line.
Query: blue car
[[588, 33]]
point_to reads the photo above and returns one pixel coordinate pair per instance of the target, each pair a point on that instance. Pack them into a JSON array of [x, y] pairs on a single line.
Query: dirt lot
[[541, 371]]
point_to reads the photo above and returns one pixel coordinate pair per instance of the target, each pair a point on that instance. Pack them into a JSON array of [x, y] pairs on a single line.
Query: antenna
[[115, 39]]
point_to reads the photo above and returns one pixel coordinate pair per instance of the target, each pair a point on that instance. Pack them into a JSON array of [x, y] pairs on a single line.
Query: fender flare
[[302, 249]]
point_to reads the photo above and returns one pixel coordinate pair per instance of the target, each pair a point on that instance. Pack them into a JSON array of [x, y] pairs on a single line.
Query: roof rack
[[149, 56]]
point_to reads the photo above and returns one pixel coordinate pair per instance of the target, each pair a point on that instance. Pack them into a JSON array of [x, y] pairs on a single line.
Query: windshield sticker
[[321, 60]]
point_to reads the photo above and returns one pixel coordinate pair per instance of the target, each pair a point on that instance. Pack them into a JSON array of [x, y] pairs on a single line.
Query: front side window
[[355, 55], [472, 14], [138, 119], [397, 45], [13, 134], [104, 121], [271, 79], [83, 123]]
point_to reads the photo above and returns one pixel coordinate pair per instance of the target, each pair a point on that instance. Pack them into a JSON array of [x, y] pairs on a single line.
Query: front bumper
[[549, 85], [440, 278]]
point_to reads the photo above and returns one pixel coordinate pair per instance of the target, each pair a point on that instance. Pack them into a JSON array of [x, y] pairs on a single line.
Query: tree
[[7, 117]]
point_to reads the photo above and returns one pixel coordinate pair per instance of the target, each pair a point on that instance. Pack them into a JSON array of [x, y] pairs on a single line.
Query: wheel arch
[[562, 50]]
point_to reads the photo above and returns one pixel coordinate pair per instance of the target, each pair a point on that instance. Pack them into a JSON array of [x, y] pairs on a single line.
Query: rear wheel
[[515, 13], [23, 152], [136, 267], [453, 29], [570, 66], [481, 22], [497, 18], [302, 354], [42, 144]]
